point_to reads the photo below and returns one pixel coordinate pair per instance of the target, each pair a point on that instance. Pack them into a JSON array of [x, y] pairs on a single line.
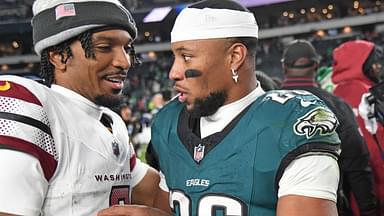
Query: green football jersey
[[236, 171]]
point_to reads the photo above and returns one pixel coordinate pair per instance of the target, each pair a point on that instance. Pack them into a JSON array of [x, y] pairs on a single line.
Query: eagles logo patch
[[318, 120]]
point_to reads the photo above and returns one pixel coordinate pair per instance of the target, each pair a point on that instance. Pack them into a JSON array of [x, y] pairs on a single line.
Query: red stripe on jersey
[[14, 90], [47, 161], [132, 162]]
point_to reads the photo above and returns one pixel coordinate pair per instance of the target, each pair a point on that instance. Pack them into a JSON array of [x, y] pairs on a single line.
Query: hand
[[131, 210]]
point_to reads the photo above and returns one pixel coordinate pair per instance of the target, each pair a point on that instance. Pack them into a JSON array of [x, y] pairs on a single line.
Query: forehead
[[199, 45], [115, 35]]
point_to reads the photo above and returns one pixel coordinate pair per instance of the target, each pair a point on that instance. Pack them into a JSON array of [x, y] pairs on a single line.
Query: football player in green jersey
[[224, 146]]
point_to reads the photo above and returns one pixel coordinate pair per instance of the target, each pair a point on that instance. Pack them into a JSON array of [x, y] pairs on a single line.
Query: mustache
[[117, 72]]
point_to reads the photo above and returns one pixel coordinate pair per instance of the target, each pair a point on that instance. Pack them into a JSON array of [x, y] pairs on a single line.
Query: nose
[[121, 59], [176, 73]]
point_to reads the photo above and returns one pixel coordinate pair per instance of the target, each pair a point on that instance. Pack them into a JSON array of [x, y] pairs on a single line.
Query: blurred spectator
[[300, 62], [156, 103], [356, 68], [266, 82], [131, 122], [324, 78]]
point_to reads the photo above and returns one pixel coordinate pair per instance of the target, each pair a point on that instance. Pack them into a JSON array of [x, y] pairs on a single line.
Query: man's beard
[[109, 101], [209, 105]]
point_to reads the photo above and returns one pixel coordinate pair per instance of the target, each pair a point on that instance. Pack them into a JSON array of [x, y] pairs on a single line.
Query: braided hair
[[64, 49]]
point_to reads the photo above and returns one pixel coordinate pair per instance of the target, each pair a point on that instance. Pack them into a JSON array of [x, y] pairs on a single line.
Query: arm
[[302, 206], [132, 210], [148, 192]]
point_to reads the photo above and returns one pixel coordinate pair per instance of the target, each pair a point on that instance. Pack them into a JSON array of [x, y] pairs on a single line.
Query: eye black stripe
[[26, 120]]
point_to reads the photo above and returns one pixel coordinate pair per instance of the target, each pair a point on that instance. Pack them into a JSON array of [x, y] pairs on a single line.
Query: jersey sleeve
[[304, 125], [22, 183], [24, 124], [138, 172]]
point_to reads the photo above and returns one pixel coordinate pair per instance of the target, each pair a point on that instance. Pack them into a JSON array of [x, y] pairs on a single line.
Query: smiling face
[[205, 93], [98, 79]]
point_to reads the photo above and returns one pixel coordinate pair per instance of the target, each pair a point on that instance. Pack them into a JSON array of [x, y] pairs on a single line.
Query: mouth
[[182, 94], [115, 81]]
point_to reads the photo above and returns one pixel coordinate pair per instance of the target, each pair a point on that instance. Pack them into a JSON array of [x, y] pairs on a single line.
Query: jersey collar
[[225, 114]]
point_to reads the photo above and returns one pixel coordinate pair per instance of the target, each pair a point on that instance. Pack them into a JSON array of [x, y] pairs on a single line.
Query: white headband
[[208, 23]]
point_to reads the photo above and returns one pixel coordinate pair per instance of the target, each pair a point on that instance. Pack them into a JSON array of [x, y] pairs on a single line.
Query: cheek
[[200, 88]]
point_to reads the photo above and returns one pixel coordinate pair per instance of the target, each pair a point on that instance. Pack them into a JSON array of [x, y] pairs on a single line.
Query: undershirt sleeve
[[313, 176]]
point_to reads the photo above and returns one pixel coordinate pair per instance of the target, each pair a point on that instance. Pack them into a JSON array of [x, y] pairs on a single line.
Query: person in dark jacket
[[300, 62], [356, 68]]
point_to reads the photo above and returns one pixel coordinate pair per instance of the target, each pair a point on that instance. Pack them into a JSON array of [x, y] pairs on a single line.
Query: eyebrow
[[182, 48]]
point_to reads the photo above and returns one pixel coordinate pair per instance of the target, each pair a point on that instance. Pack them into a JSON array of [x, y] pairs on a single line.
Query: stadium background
[[323, 22]]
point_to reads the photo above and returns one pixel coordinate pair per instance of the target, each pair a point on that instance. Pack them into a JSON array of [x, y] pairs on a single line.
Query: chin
[[110, 101], [208, 105]]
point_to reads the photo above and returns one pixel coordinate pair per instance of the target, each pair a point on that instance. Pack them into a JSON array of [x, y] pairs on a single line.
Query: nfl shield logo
[[115, 148], [198, 153]]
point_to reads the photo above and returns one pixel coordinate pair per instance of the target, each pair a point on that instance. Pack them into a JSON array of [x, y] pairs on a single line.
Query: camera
[[377, 98]]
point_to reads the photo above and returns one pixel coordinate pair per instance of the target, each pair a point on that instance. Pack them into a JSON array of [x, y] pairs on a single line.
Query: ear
[[238, 55], [57, 60]]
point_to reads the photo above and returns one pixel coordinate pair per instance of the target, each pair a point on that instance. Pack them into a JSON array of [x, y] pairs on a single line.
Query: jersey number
[[283, 96], [208, 204], [119, 195]]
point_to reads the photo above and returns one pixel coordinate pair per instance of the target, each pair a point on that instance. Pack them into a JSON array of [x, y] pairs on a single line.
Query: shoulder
[[287, 98], [25, 120], [23, 89], [293, 104], [300, 116]]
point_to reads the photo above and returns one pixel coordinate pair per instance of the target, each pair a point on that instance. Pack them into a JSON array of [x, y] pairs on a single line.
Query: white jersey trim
[[24, 108], [163, 182]]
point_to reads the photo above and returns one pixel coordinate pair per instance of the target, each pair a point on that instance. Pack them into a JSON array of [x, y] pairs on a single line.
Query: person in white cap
[[224, 146], [62, 151]]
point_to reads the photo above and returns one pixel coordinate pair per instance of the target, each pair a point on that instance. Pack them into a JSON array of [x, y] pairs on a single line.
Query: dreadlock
[[86, 43], [47, 68], [64, 49]]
